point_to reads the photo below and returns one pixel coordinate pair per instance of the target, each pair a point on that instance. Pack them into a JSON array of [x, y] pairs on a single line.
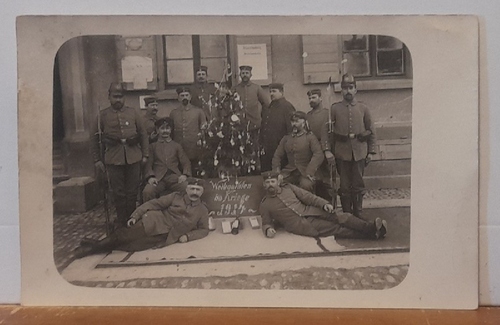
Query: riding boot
[[357, 204], [121, 216], [346, 202]]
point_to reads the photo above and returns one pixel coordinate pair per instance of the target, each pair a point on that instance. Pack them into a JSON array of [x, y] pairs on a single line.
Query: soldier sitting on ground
[[177, 217], [303, 213], [162, 169]]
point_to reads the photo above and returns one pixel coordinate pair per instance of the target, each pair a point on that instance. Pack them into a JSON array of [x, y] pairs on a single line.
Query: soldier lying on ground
[[177, 217], [303, 213]]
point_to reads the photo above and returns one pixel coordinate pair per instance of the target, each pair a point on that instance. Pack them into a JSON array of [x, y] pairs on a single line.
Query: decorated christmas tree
[[228, 150]]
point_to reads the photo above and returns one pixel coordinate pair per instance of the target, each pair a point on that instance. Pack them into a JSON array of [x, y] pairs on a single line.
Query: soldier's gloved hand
[[328, 208], [182, 179], [270, 232], [131, 222], [99, 166], [329, 157], [183, 239], [153, 181]]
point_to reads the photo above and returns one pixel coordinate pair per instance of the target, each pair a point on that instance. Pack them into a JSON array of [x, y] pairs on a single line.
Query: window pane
[[358, 63], [213, 46], [388, 43], [178, 47], [390, 62], [215, 68], [355, 43], [180, 71]]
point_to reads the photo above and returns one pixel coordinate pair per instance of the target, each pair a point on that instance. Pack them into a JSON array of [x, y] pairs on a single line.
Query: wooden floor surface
[[13, 315]]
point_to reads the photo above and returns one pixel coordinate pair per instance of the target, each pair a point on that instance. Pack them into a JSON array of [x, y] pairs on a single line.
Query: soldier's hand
[[144, 160], [270, 232], [99, 166], [131, 222], [153, 181], [183, 239], [329, 208], [182, 179], [330, 157]]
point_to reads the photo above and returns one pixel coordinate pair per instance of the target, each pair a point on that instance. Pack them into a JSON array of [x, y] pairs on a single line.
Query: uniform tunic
[[149, 124], [301, 213], [275, 125], [187, 124], [251, 96], [303, 152], [124, 123], [174, 214], [350, 118]]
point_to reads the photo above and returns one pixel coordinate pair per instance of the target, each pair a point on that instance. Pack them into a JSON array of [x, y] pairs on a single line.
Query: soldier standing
[[275, 124], [150, 118], [188, 121], [120, 130], [352, 143], [203, 92], [316, 118]]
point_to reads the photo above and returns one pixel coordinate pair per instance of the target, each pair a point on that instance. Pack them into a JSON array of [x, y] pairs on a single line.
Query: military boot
[[346, 202], [357, 204]]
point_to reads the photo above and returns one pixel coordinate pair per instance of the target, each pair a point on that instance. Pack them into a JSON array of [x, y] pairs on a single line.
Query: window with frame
[[373, 56], [183, 53]]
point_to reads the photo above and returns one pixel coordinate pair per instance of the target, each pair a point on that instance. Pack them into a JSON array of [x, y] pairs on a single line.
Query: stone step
[[389, 167]]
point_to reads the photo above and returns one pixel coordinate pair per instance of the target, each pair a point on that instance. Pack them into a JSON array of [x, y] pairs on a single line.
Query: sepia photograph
[[248, 161], [232, 161]]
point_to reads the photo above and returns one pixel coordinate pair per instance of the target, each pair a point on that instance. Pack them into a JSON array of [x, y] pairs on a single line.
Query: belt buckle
[[123, 141], [352, 135]]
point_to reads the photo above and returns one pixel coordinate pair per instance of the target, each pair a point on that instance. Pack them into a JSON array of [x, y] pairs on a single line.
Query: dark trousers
[[124, 181], [168, 184], [351, 176], [131, 239], [345, 225], [296, 178]]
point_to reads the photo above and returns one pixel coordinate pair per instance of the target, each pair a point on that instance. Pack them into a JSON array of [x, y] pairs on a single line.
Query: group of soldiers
[[299, 154]]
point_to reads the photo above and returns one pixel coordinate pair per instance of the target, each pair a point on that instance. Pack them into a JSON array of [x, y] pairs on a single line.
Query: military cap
[[298, 115], [347, 79], [149, 100], [115, 87], [270, 175], [195, 181], [276, 86], [246, 67], [201, 68], [165, 120], [314, 92], [183, 90]]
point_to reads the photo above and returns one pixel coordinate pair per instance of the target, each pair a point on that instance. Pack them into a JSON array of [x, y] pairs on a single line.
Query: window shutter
[[138, 65], [321, 58]]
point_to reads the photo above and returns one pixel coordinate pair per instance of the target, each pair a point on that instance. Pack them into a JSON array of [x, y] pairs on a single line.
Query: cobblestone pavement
[[69, 229], [314, 278]]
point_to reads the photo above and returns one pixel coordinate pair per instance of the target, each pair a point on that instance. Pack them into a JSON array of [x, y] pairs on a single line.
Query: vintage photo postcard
[[316, 161]]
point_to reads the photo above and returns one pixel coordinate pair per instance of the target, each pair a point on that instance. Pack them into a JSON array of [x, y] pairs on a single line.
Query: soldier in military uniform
[[351, 145], [303, 152], [188, 121], [150, 118], [275, 124], [176, 217], [120, 130], [254, 100], [162, 169], [303, 213], [317, 117], [203, 93]]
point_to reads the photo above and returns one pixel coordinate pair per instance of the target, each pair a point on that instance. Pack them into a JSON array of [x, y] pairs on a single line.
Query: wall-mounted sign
[[254, 55]]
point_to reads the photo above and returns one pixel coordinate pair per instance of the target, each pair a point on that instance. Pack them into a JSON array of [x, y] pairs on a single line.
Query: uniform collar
[[247, 84], [301, 133], [316, 110], [164, 141]]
